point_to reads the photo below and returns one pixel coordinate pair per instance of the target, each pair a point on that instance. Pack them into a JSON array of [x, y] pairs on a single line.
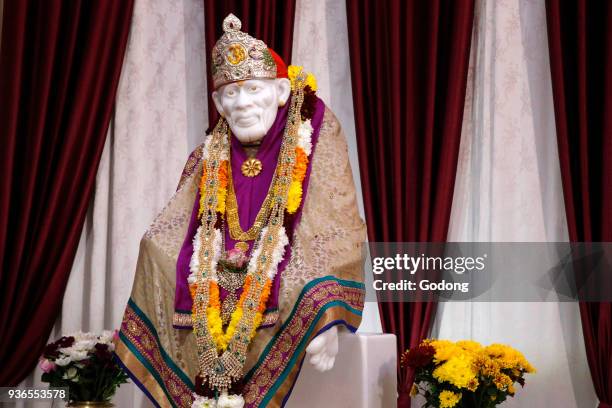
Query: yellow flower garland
[[213, 313], [294, 70], [294, 197]]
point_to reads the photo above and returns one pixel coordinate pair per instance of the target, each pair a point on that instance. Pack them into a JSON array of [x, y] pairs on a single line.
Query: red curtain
[[58, 78], [580, 43], [409, 62], [268, 20]]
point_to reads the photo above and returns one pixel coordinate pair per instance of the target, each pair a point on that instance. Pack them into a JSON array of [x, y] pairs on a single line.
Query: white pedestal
[[364, 375]]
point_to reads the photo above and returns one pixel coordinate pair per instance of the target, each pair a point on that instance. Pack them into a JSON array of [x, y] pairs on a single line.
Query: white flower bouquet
[[83, 362]]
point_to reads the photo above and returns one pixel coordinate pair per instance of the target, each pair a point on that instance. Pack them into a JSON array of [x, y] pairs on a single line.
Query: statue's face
[[250, 106]]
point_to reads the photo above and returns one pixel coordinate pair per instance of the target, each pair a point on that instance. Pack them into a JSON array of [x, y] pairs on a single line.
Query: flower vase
[[469, 401], [90, 404], [469, 404]]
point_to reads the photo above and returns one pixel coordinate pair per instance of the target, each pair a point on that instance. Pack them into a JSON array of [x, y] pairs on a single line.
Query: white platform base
[[364, 376]]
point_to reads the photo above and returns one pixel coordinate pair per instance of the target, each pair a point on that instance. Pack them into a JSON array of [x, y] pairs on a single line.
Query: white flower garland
[[305, 133], [194, 263], [277, 254], [234, 400], [304, 142], [206, 150]]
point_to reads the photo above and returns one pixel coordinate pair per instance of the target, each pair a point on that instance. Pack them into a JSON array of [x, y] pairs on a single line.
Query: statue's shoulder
[[330, 155], [192, 163], [330, 121], [331, 130]]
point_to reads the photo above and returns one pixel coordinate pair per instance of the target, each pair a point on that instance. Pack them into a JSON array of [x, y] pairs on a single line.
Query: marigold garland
[[294, 70], [222, 353], [214, 312], [294, 198]]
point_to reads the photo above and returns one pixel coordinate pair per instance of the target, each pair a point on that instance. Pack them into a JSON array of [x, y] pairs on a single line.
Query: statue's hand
[[322, 349]]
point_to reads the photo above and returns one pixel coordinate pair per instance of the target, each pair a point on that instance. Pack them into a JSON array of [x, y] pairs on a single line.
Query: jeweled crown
[[237, 56]]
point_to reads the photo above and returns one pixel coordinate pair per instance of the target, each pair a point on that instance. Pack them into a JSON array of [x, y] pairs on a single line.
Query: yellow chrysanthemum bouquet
[[465, 374]]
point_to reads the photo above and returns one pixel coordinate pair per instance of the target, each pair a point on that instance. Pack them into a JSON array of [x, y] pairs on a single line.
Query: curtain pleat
[[579, 34], [409, 63], [160, 116], [58, 78]]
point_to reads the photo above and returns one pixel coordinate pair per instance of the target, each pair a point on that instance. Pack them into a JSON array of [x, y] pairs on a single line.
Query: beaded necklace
[[222, 354]]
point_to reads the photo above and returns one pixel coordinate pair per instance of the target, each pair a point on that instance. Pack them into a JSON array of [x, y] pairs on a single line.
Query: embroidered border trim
[[141, 338], [182, 320], [282, 352], [191, 165]]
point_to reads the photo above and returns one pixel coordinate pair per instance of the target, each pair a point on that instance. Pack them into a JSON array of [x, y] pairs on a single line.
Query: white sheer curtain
[[160, 115], [508, 188], [320, 45]]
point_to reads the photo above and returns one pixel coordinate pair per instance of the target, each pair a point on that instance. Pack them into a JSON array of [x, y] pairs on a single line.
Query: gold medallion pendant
[[251, 167]]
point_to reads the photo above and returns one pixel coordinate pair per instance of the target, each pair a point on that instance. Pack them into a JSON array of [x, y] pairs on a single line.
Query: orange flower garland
[[213, 311], [214, 322], [221, 191], [294, 197]]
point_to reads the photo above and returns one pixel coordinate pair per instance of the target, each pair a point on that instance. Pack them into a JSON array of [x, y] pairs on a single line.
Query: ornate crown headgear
[[237, 56]]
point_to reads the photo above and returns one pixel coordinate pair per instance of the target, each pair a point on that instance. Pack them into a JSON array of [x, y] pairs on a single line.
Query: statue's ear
[[283, 88], [217, 100]]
